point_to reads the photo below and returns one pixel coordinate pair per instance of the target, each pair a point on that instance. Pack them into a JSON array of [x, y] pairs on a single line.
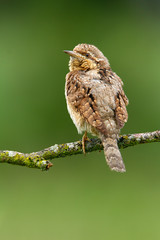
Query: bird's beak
[[71, 53]]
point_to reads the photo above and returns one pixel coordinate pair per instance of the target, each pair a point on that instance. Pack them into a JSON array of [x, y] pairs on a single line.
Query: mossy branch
[[42, 158]]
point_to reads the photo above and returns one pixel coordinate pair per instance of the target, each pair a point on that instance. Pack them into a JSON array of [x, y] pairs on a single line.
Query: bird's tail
[[113, 155]]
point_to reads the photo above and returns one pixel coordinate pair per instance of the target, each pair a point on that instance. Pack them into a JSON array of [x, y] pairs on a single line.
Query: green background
[[79, 198]]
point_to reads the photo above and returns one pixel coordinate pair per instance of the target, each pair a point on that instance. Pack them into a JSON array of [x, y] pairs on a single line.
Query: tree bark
[[42, 158]]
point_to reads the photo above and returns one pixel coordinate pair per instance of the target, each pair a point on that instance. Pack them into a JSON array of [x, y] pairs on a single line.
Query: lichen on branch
[[42, 158]]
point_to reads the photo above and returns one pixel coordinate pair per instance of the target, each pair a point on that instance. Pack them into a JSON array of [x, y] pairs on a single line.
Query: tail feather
[[113, 155]]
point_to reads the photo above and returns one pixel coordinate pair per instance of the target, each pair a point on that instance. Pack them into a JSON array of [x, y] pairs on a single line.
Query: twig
[[41, 159]]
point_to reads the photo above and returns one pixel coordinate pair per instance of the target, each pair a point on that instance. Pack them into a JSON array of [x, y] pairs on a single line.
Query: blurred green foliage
[[79, 198]]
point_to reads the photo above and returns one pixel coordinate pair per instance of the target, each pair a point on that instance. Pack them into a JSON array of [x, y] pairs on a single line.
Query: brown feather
[[120, 111], [84, 102]]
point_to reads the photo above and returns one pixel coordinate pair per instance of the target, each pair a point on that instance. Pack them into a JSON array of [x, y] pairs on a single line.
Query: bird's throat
[[81, 65]]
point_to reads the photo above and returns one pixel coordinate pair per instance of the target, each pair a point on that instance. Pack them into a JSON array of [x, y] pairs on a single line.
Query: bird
[[96, 101]]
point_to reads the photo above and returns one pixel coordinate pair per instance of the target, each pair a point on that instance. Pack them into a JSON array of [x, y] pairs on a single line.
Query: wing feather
[[80, 96], [121, 111]]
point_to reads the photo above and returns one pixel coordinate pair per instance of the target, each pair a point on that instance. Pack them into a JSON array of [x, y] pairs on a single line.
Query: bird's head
[[87, 57]]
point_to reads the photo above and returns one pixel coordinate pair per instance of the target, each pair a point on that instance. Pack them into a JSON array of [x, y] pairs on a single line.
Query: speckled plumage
[[95, 99]]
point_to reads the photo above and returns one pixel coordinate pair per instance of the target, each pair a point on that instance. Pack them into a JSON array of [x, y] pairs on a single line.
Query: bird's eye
[[87, 55]]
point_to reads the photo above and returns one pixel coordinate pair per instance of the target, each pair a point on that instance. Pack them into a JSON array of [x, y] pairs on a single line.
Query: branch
[[41, 159]]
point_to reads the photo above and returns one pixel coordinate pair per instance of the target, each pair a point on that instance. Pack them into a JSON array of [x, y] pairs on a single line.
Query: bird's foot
[[84, 139]]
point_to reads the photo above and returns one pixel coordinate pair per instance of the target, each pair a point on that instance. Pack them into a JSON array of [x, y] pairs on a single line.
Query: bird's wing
[[79, 94], [120, 111]]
